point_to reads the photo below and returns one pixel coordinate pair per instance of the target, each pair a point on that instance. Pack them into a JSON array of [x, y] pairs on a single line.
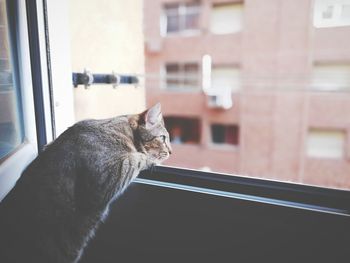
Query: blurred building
[[258, 88]]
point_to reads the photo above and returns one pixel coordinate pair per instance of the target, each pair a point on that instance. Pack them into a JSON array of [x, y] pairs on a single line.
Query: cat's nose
[[170, 152]]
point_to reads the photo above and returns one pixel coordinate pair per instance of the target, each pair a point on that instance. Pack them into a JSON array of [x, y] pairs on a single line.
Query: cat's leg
[[132, 165]]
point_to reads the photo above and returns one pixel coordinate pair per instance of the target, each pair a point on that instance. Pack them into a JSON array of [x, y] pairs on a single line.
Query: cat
[[63, 195]]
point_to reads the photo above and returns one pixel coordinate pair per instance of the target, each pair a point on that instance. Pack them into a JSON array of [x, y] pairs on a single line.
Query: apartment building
[[256, 88]]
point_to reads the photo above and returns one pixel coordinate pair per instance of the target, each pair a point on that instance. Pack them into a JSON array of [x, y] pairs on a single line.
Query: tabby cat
[[64, 194]]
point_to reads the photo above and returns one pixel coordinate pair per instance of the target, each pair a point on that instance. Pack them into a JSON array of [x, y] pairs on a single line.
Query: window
[[18, 144], [181, 17], [274, 85], [326, 143], [225, 77], [224, 134], [226, 18], [26, 109], [183, 130], [182, 76], [330, 13], [11, 123], [331, 77]]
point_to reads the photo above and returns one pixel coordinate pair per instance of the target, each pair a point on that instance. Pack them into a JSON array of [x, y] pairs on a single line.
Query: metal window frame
[[37, 73], [298, 196]]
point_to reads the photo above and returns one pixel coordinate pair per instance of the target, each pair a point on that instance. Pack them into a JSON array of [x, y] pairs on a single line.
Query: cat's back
[[45, 195]]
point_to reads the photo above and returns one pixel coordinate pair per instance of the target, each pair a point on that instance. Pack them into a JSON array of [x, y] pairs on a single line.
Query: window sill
[[181, 90], [277, 193], [12, 166], [226, 34], [184, 33]]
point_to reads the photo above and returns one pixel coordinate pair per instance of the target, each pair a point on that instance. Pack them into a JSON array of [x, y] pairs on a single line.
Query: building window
[[226, 18], [225, 77], [225, 134], [322, 143], [183, 130], [182, 76], [11, 123], [331, 77], [330, 13], [182, 17]]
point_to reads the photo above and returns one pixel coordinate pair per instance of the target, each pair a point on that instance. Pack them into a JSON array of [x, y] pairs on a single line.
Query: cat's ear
[[152, 116]]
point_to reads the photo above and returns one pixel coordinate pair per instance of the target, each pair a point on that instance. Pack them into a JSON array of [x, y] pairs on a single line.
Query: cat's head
[[152, 134]]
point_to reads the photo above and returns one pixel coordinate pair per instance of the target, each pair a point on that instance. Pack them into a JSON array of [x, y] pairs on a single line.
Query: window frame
[[225, 4], [224, 145], [196, 125], [45, 81], [181, 77], [12, 165], [306, 197], [181, 11], [277, 193], [320, 22]]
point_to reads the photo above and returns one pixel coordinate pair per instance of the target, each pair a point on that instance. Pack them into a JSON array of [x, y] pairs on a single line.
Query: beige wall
[[107, 35]]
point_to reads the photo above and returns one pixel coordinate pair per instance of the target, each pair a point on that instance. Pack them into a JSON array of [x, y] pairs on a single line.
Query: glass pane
[[183, 130], [173, 75], [191, 21], [224, 134], [172, 23], [11, 134], [191, 79]]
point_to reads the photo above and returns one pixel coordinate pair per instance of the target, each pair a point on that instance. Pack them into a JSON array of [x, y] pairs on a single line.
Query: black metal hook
[[87, 79]]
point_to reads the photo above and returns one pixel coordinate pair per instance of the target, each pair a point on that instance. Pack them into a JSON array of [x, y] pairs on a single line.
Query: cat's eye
[[162, 137]]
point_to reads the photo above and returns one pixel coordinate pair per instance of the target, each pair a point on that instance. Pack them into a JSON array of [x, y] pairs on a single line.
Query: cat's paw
[[151, 166]]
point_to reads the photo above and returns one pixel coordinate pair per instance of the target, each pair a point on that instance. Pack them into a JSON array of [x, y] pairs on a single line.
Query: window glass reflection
[[11, 134]]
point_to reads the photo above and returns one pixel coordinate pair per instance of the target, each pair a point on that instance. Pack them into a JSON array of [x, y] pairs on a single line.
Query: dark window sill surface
[[152, 223]]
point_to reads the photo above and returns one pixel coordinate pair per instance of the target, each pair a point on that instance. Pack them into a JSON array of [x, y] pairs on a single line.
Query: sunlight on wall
[[105, 39]]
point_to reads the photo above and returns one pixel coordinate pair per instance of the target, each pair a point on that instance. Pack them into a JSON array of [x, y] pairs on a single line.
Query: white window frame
[[320, 6], [13, 165]]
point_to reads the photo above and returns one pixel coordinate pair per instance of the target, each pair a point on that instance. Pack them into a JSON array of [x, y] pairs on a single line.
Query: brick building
[[257, 88]]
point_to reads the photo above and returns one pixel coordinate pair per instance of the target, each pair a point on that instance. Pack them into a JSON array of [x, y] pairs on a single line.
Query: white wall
[[107, 35]]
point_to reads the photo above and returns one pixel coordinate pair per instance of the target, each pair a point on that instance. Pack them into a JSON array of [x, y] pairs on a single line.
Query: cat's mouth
[[160, 157], [163, 156]]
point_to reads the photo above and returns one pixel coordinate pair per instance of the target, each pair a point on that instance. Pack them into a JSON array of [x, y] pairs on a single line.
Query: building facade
[[256, 88]]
